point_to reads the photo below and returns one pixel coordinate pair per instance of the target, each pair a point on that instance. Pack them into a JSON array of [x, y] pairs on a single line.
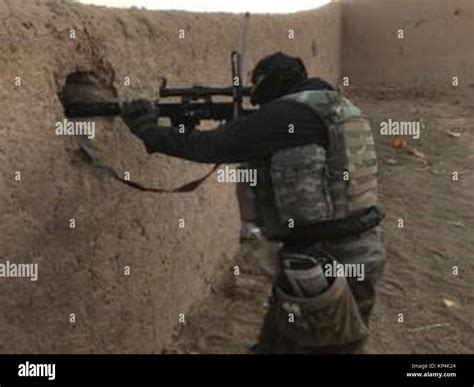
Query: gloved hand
[[139, 115]]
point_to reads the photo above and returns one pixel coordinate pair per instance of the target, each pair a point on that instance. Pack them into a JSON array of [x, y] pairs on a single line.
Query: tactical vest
[[306, 185]]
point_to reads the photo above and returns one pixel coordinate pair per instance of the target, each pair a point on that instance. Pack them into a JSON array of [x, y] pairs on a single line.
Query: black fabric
[[249, 138], [310, 84], [274, 76], [279, 62]]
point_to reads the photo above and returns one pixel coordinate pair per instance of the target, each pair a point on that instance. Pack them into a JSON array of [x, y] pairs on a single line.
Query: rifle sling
[[187, 187]]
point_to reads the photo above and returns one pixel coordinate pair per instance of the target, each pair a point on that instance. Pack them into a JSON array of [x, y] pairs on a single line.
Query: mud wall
[[117, 281], [436, 46]]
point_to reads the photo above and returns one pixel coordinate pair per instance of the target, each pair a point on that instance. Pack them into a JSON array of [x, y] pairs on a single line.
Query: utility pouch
[[302, 325]]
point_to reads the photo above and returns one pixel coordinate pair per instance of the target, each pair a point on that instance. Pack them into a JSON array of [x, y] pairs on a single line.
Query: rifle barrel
[[200, 111], [96, 109]]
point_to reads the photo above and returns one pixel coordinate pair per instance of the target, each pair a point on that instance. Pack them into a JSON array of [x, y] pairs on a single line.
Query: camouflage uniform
[[307, 185]]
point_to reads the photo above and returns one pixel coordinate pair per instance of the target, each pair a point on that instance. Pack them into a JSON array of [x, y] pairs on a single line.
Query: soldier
[[316, 193]]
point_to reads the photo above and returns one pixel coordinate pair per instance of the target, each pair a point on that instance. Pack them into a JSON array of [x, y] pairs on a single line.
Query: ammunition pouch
[[327, 323]]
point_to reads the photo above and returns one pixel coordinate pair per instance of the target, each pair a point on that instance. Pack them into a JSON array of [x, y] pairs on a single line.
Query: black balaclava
[[274, 76]]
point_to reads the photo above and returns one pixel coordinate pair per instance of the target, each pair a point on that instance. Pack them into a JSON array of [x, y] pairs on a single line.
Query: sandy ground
[[438, 213]]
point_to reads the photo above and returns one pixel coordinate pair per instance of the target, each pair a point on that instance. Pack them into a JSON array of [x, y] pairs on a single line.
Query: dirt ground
[[416, 185]]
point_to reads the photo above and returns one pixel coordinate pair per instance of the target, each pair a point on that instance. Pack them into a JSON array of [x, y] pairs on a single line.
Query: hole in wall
[[87, 86]]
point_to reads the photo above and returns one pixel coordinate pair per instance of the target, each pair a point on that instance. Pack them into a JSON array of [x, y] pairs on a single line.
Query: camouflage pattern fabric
[[304, 185], [299, 177], [351, 158]]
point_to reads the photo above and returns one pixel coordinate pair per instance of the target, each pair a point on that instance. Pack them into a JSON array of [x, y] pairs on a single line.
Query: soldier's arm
[[275, 126]]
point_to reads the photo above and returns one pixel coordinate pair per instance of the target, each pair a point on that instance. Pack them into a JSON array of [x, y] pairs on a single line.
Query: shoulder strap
[[87, 156]]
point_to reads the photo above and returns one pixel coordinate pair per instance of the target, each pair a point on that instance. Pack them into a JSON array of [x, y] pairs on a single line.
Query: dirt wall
[[434, 49], [83, 300]]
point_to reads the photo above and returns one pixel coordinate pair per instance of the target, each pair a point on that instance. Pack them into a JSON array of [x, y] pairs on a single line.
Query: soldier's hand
[[139, 115]]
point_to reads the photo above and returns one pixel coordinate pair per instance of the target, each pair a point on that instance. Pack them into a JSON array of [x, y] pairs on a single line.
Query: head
[[274, 76]]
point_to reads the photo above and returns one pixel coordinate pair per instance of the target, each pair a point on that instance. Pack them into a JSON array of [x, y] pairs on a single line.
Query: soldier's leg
[[368, 251], [328, 322], [335, 321]]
